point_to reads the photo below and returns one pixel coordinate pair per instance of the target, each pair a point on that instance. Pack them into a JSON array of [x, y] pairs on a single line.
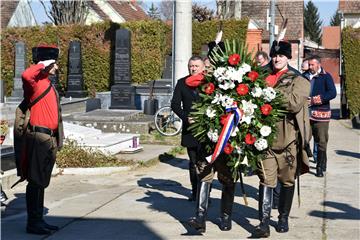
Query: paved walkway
[[151, 203]]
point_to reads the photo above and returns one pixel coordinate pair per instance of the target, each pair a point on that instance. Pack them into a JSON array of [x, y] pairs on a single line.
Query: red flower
[[242, 89], [266, 109], [234, 59], [249, 139], [253, 75], [228, 149], [209, 88], [223, 119]]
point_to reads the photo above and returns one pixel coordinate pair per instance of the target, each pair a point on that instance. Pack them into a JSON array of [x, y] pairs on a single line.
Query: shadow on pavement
[[182, 163], [181, 209], [347, 153], [343, 211], [81, 228]]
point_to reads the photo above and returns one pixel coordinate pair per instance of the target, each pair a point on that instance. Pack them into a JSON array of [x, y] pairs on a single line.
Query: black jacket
[[181, 103]]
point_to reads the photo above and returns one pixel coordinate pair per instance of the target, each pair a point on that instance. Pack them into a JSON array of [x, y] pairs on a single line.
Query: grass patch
[[156, 138], [75, 156]]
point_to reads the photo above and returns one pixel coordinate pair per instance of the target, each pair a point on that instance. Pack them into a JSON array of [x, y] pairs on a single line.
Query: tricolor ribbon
[[231, 121]]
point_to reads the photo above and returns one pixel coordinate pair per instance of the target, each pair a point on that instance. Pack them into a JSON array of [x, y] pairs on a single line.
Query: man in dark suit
[[185, 94]]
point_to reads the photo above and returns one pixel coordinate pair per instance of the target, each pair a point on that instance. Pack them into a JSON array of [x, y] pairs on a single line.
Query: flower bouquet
[[4, 129], [237, 111]]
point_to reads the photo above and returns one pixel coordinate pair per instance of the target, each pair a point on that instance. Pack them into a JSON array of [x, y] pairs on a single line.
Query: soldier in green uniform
[[286, 157]]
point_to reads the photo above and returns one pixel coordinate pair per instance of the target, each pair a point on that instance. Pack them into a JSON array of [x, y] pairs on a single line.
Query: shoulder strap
[[39, 97]]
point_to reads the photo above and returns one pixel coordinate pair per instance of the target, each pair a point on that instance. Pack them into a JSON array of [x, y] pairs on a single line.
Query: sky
[[326, 8]]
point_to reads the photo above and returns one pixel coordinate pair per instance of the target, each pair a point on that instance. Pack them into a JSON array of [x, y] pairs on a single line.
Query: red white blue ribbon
[[231, 121]]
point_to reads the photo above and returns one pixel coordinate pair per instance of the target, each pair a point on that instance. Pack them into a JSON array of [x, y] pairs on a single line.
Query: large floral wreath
[[237, 111]]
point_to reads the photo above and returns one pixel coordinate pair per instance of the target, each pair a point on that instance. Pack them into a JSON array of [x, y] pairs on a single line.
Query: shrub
[[351, 53], [74, 155]]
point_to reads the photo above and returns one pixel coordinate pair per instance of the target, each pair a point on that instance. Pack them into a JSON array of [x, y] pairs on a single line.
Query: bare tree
[[66, 12], [166, 9], [201, 13]]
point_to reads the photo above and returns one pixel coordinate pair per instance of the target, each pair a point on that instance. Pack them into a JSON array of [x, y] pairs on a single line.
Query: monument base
[[76, 94], [122, 97]]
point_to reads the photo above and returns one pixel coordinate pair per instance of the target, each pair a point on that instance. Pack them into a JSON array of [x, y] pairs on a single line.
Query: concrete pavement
[[151, 203]]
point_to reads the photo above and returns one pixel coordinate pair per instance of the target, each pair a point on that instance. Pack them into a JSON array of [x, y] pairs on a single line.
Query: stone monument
[[122, 93], [20, 61], [75, 83]]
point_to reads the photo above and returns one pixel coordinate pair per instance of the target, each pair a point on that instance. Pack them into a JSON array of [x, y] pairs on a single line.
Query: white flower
[[246, 119], [235, 75], [245, 68], [269, 94], [219, 72], [245, 161], [210, 112], [248, 110], [265, 131], [228, 102], [217, 99], [261, 144], [256, 92], [213, 135], [234, 131], [228, 84], [248, 107]]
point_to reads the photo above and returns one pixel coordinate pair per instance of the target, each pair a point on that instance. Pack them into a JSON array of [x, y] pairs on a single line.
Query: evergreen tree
[[335, 19], [153, 12], [312, 22]]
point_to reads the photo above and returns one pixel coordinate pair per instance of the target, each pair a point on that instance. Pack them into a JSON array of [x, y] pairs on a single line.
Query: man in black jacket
[[185, 94]]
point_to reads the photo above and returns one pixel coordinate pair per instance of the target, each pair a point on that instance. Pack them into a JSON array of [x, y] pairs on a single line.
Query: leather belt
[[45, 130]]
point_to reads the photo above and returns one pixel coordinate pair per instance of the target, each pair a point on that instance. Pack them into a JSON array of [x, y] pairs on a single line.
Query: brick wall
[[292, 10], [331, 65], [253, 40]]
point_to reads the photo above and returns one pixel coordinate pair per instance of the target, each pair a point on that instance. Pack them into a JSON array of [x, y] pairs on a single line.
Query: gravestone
[[20, 61], [2, 91], [167, 74], [122, 93], [75, 83]]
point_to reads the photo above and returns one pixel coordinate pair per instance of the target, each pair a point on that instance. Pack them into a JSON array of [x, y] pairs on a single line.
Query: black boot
[[276, 195], [227, 201], [324, 162], [198, 222], [320, 163], [265, 204], [3, 198], [34, 210], [193, 181], [41, 209], [285, 201]]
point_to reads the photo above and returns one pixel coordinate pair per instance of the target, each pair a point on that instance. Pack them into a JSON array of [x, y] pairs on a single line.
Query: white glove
[[47, 63], [218, 37]]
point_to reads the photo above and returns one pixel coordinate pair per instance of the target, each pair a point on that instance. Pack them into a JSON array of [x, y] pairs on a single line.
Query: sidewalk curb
[[92, 171]]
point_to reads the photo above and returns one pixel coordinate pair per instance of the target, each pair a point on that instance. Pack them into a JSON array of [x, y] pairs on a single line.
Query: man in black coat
[[185, 94]]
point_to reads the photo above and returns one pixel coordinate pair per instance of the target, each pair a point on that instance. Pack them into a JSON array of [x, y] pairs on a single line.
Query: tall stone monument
[[20, 61], [75, 83], [122, 93]]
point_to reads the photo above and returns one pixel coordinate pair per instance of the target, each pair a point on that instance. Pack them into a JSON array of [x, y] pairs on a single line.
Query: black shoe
[[225, 224], [261, 231], [50, 227], [38, 229], [199, 226], [283, 225], [3, 197]]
